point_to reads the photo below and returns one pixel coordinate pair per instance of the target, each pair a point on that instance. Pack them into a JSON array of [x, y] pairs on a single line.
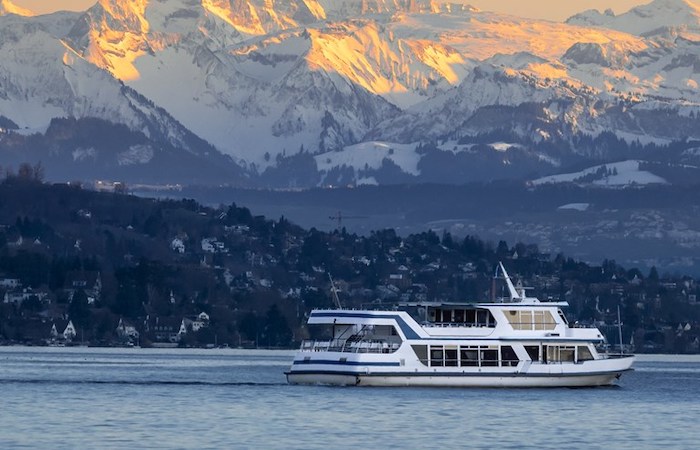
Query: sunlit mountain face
[[7, 7], [356, 85]]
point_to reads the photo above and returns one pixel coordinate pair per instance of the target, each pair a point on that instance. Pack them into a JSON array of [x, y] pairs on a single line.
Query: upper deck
[[518, 321], [519, 318]]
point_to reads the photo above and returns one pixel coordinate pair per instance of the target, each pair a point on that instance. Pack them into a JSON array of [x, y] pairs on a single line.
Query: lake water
[[147, 398]]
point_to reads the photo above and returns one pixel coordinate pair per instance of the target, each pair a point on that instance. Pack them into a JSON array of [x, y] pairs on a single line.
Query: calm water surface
[[147, 398]]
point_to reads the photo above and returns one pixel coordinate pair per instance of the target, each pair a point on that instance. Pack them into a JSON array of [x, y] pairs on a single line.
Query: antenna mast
[[619, 328]]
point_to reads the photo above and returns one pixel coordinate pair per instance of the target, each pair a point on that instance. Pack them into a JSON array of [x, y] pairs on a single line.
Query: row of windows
[[466, 356], [531, 320], [498, 356], [459, 316]]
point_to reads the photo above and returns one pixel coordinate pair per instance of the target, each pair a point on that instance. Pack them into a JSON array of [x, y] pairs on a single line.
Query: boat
[[518, 341]]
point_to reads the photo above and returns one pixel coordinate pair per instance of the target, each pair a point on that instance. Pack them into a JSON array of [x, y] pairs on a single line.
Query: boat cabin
[[450, 315]]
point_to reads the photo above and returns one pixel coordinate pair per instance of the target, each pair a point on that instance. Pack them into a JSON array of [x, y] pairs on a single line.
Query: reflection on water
[[143, 398]]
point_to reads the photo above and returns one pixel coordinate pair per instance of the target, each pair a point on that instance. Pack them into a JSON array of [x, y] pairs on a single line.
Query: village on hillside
[[80, 267]]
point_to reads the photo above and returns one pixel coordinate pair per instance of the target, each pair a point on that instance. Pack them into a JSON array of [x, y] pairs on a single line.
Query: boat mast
[[334, 290], [514, 295]]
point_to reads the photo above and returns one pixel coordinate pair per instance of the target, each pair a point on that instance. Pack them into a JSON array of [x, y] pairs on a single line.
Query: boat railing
[[459, 324], [351, 346]]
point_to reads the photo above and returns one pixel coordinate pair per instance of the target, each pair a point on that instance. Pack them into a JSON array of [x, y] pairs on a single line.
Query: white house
[[202, 321], [68, 330], [10, 283], [183, 327], [17, 297], [208, 246], [177, 245]]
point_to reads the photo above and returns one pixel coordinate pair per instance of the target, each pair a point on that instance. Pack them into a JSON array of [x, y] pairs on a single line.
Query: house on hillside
[[177, 245], [10, 283], [63, 330], [90, 281], [126, 331], [400, 280], [202, 321], [164, 329], [212, 245], [185, 326], [17, 297]]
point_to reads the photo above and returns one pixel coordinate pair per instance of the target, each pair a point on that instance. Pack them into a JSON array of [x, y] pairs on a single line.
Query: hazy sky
[[547, 9]]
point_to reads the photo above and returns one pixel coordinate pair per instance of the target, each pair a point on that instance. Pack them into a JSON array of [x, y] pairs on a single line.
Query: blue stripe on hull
[[459, 374]]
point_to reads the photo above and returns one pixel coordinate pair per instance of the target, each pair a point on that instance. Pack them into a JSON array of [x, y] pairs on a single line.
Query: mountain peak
[[7, 7], [650, 19]]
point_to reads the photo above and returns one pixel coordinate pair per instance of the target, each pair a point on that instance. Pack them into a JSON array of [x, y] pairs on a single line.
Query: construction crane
[[339, 217]]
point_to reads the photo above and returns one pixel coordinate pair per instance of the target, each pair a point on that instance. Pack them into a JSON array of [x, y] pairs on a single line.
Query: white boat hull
[[593, 373], [520, 381]]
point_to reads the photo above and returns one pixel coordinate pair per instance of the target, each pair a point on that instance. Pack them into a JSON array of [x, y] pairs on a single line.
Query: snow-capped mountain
[[660, 17], [361, 90], [7, 7]]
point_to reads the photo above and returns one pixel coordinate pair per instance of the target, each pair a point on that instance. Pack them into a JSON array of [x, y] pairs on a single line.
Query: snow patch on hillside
[[622, 173], [575, 206], [371, 155]]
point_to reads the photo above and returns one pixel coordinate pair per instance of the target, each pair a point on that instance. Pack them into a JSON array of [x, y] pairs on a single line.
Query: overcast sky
[[546, 9]]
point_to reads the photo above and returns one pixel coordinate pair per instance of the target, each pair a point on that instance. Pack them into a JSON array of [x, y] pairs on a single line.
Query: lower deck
[[485, 365]]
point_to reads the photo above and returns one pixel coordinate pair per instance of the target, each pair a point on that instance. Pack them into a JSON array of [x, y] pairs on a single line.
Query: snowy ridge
[[657, 17], [347, 80]]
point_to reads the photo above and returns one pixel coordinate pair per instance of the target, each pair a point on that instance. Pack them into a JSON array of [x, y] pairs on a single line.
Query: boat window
[[533, 352], [469, 356], [461, 317], [508, 356], [421, 352], [439, 315], [437, 356], [451, 356], [566, 354], [489, 356], [544, 320], [513, 317], [559, 353], [584, 353], [563, 317], [531, 320]]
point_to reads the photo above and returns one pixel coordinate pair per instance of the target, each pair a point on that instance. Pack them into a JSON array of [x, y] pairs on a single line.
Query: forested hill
[[126, 270]]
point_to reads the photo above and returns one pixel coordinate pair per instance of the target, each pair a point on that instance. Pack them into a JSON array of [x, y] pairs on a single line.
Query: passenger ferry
[[520, 342]]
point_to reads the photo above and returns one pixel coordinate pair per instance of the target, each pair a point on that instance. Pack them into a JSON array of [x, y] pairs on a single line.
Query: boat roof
[[481, 305]]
